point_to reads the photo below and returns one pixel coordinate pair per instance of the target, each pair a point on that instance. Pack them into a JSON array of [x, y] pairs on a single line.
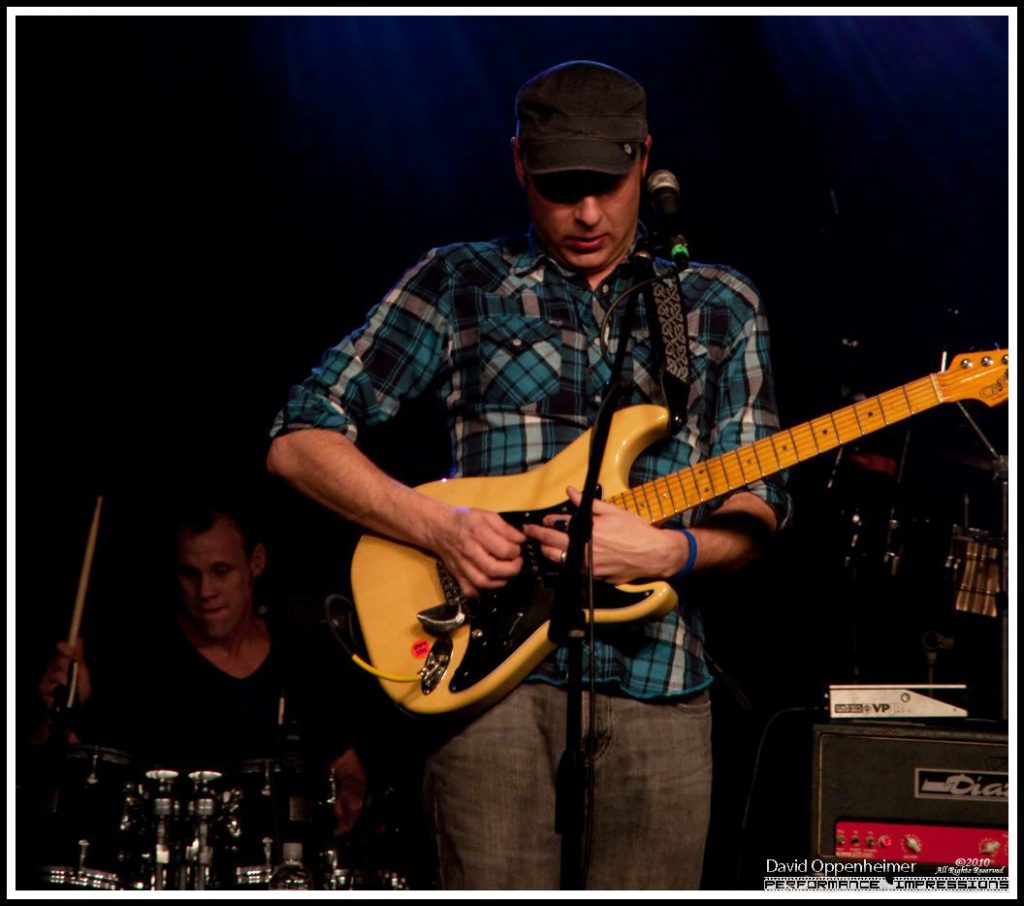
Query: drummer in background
[[215, 686]]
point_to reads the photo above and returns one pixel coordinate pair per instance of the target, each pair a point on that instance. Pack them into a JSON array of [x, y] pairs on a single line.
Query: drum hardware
[[329, 857], [247, 877], [85, 832], [934, 642], [268, 858], [893, 555], [329, 864], [253, 876], [365, 858], [131, 815], [332, 793], [268, 807], [136, 872], [291, 874], [81, 877], [83, 850], [232, 826], [973, 564], [92, 779], [392, 880], [171, 830], [336, 878], [165, 815], [202, 810], [350, 879]]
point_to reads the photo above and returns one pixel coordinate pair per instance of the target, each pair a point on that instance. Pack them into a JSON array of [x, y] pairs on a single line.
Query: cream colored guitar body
[[393, 582]]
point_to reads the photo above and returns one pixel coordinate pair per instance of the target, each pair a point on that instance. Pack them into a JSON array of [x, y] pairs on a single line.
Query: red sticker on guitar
[[420, 648]]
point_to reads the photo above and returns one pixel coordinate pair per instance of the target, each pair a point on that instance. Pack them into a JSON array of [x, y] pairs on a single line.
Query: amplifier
[[909, 793]]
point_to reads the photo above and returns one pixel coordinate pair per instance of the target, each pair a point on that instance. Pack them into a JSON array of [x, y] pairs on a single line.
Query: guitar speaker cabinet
[[909, 793]]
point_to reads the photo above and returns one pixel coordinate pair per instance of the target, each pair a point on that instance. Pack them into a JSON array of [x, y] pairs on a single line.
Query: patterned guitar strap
[[670, 343]]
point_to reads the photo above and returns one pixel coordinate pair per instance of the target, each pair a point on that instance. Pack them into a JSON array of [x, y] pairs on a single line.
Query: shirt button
[[517, 342], [606, 289]]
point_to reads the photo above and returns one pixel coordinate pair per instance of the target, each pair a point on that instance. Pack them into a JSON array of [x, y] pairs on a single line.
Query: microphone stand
[[568, 623]]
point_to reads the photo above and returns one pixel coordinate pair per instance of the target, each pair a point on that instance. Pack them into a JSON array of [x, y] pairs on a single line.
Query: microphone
[[663, 192]]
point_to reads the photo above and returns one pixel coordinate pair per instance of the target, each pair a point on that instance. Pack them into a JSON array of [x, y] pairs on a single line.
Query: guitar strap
[[670, 343]]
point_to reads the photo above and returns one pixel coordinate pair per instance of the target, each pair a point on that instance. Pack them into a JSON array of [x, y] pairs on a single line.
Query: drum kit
[[99, 818], [105, 822]]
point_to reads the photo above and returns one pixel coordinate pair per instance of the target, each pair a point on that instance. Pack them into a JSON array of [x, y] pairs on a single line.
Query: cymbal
[[973, 460], [874, 462]]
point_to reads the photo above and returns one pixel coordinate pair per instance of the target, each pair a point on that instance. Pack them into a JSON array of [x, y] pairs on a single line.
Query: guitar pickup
[[442, 619]]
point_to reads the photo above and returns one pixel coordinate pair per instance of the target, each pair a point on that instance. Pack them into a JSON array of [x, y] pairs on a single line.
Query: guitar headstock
[[981, 376]]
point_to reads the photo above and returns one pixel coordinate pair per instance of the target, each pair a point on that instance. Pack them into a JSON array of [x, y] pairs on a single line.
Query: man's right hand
[[480, 549], [56, 674]]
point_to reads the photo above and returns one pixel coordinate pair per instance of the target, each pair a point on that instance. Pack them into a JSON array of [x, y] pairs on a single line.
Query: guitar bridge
[[435, 665]]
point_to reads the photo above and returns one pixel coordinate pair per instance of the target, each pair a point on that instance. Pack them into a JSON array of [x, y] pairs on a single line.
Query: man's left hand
[[625, 547]]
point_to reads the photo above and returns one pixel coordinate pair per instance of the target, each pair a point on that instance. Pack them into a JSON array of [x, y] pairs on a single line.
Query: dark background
[[206, 204]]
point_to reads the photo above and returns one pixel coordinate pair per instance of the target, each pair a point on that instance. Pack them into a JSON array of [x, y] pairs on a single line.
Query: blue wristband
[[691, 559]]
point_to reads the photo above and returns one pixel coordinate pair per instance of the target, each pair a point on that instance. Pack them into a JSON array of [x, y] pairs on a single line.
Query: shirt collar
[[531, 257]]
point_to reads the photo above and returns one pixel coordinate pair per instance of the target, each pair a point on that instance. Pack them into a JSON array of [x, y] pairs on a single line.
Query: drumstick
[[83, 587]]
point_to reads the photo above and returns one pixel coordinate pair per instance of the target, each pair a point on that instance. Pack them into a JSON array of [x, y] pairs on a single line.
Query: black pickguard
[[502, 620]]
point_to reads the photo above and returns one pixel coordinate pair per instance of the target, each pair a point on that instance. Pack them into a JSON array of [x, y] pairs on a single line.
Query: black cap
[[581, 115]]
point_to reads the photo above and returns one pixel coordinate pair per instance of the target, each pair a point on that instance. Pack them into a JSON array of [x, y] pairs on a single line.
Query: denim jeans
[[490, 794]]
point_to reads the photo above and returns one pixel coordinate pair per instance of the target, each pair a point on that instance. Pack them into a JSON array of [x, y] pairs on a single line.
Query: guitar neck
[[659, 500]]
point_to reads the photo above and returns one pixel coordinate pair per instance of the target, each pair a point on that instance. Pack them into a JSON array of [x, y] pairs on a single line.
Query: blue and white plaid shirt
[[508, 339]]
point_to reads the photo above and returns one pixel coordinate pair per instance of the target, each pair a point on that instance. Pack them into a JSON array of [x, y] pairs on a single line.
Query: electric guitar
[[440, 652]]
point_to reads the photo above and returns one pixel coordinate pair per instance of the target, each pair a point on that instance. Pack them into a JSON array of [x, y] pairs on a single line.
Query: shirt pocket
[[520, 360]]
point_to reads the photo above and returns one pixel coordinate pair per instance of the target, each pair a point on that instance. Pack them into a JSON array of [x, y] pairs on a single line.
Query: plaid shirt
[[509, 340]]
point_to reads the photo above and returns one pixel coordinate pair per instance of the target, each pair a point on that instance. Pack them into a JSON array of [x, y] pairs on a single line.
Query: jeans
[[490, 794]]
